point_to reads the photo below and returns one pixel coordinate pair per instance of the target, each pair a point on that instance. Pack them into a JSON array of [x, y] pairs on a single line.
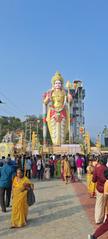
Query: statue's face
[[58, 84]]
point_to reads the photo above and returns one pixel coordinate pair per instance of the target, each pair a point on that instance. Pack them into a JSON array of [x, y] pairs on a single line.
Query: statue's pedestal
[[63, 149]]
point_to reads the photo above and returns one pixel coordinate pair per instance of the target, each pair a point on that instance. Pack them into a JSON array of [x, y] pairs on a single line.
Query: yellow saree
[[66, 169], [90, 185], [19, 202]]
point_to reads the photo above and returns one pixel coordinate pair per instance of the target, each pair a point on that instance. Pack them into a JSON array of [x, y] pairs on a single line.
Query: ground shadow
[[41, 209], [38, 221]]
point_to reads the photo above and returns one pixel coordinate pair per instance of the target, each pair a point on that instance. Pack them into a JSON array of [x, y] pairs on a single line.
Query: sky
[[40, 37]]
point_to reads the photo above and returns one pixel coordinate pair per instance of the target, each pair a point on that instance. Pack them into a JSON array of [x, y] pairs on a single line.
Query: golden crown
[[57, 77]]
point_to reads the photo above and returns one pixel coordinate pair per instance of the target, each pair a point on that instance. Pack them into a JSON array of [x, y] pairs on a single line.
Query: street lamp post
[[1, 102], [68, 85], [28, 128], [38, 121], [30, 138]]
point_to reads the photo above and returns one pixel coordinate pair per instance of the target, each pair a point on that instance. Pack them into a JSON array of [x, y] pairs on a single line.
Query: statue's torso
[[58, 97]]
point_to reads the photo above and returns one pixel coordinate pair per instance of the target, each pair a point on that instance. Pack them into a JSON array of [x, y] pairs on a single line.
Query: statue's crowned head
[[57, 80]]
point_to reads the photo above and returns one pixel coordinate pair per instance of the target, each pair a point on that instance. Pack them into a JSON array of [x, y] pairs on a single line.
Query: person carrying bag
[[30, 197]]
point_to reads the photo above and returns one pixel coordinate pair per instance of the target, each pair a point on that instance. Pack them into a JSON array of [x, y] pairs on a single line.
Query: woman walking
[[20, 187], [66, 170], [79, 165], [58, 168], [90, 185]]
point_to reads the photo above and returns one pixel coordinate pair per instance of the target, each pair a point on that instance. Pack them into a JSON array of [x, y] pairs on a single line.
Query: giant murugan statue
[[55, 109]]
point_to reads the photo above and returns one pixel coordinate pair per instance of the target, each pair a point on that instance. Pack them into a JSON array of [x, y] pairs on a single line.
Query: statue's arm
[[47, 97], [68, 97]]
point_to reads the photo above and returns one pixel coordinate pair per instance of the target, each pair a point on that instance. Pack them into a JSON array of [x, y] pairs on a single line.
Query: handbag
[[30, 197]]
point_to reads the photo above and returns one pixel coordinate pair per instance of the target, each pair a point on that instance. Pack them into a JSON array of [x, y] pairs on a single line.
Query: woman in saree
[[62, 168], [34, 168], [58, 168], [67, 172], [90, 185], [20, 186]]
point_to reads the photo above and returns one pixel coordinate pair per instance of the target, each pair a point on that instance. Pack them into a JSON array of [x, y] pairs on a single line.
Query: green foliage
[[104, 148], [92, 144], [9, 124], [37, 127]]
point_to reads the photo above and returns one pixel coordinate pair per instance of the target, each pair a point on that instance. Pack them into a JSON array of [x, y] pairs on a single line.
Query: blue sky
[[39, 37]]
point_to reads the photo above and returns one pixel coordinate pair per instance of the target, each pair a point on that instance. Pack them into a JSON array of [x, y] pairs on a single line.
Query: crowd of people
[[50, 166], [16, 175]]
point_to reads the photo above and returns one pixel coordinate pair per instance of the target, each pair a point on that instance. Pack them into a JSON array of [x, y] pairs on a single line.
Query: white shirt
[[28, 164], [38, 164]]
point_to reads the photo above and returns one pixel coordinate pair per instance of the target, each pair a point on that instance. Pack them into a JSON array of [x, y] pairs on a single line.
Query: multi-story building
[[77, 125], [105, 134]]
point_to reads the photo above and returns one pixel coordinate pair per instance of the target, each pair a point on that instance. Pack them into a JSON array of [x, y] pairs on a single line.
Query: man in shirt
[[79, 165], [6, 174], [104, 227], [28, 165], [99, 179]]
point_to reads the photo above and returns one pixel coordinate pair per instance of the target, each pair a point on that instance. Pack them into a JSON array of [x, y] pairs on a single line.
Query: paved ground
[[61, 212]]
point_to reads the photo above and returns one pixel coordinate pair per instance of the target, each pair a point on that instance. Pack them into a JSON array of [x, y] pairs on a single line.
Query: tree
[[9, 124]]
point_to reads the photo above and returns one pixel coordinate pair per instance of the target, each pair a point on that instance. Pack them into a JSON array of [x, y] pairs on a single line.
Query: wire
[[6, 111], [12, 105]]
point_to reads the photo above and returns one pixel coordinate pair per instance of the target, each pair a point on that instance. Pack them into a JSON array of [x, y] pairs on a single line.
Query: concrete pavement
[[58, 214]]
